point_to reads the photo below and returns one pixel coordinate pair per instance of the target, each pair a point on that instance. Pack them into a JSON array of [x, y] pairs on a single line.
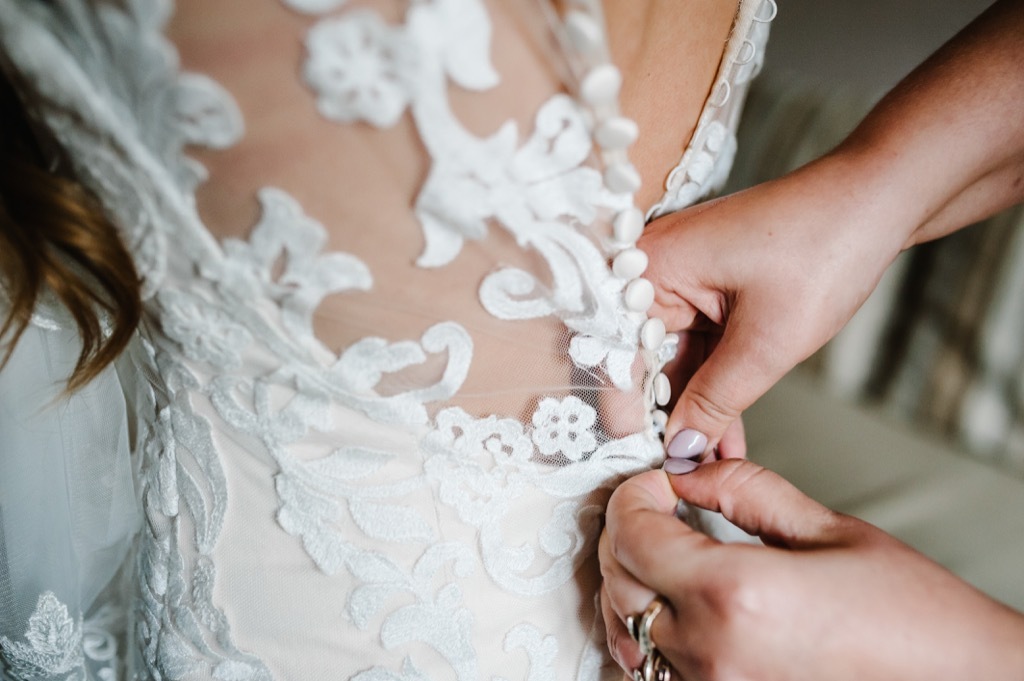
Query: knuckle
[[711, 406], [736, 476]]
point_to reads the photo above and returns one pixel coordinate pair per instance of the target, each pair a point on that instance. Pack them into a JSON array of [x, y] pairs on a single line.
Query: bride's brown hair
[[56, 237]]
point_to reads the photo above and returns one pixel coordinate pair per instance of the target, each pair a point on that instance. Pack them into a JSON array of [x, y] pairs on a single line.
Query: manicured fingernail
[[688, 444], [679, 466]]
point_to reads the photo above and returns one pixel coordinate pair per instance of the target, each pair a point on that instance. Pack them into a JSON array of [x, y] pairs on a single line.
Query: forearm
[[946, 147]]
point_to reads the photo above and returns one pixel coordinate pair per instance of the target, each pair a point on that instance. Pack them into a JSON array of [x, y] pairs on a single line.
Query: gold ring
[[647, 646], [653, 668], [632, 626]]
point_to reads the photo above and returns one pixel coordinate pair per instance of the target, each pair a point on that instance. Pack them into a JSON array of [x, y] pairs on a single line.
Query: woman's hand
[[830, 597], [767, 276], [780, 268]]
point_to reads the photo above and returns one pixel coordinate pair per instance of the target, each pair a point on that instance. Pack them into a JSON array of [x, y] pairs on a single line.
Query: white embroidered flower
[[54, 642], [205, 332], [563, 427], [479, 464], [361, 68], [502, 439]]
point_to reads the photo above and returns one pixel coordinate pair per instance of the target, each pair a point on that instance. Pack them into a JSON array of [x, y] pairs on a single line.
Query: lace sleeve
[[67, 512]]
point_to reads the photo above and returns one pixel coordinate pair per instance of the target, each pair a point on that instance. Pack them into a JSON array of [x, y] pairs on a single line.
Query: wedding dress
[[372, 438]]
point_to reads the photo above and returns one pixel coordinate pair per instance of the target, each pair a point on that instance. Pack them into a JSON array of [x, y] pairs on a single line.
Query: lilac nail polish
[[679, 466], [688, 444]]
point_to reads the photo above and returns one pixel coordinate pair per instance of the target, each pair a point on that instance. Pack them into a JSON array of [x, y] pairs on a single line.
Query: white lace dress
[[373, 439]]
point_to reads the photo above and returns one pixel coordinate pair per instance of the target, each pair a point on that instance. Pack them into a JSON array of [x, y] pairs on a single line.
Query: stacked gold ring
[[654, 667]]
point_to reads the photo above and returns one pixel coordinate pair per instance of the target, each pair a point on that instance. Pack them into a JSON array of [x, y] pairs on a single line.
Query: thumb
[[759, 502], [741, 369]]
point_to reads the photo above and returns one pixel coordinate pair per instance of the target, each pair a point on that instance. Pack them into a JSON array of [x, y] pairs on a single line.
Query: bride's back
[[398, 376]]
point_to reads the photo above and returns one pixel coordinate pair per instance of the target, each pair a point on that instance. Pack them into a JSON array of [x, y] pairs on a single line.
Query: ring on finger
[[653, 668], [644, 625], [633, 627]]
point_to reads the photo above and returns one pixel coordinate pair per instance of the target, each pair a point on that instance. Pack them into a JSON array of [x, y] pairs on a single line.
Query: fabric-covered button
[[662, 390], [628, 225], [584, 32], [660, 418], [652, 333], [639, 295], [630, 264], [622, 178], [616, 133], [601, 85]]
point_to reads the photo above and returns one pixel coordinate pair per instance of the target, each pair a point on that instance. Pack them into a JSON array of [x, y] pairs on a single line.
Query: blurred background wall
[[941, 343]]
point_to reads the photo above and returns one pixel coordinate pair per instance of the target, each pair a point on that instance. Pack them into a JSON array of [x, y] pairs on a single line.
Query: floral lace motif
[[59, 646], [53, 642]]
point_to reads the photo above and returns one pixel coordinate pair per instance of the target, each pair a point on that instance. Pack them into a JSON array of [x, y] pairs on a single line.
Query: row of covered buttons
[[614, 133]]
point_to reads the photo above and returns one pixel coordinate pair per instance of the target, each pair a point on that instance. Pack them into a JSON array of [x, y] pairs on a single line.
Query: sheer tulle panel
[[389, 174], [68, 510]]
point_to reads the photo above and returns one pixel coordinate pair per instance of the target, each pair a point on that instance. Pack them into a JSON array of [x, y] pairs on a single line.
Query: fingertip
[[680, 466], [692, 415], [688, 443]]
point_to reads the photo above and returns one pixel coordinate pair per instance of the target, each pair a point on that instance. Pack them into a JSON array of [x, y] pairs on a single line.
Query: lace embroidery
[[409, 673], [361, 68], [206, 113], [538, 191], [53, 642], [59, 645], [285, 232], [205, 333], [542, 651], [564, 427]]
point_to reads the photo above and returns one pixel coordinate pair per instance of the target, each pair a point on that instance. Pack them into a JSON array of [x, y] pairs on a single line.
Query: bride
[[394, 350]]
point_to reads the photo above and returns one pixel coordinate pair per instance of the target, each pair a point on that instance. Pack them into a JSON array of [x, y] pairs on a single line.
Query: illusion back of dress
[[396, 321]]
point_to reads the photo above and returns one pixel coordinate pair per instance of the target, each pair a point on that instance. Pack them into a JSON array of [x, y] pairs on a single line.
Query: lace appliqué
[[481, 466], [564, 427], [361, 68], [53, 642], [541, 192], [59, 646]]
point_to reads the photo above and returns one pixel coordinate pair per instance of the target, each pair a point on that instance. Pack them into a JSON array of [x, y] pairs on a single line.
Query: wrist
[[867, 190]]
